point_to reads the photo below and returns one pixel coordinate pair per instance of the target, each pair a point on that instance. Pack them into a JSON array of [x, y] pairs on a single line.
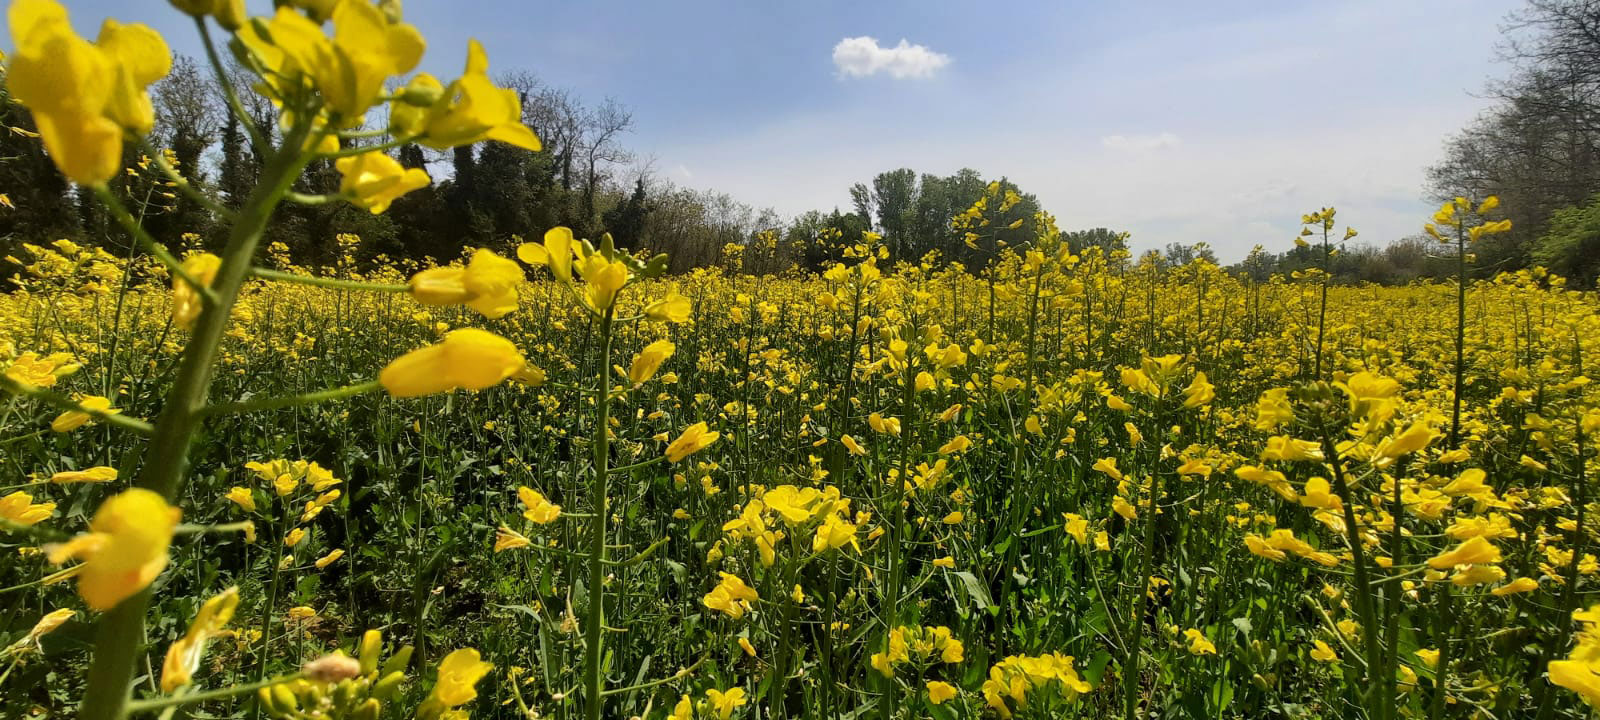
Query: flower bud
[[371, 645], [332, 668]]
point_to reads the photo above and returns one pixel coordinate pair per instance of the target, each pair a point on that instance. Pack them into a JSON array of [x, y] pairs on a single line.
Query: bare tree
[[601, 147]]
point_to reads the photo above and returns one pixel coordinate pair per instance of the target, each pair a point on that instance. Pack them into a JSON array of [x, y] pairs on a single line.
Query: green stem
[[323, 282], [594, 622], [65, 403], [218, 694], [310, 398], [119, 635], [140, 235]]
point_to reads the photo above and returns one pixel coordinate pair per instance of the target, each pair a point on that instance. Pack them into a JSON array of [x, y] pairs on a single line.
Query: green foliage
[[1571, 247]]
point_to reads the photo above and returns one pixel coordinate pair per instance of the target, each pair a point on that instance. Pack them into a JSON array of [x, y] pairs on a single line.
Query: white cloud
[[1140, 143], [863, 56]]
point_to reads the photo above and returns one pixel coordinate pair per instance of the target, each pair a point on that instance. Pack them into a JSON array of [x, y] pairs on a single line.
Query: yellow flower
[[373, 180], [350, 70], [472, 109], [954, 518], [459, 673], [1198, 643], [1428, 656], [183, 657], [851, 445], [1475, 551], [744, 644], [939, 692], [539, 510], [1323, 653], [603, 280], [74, 419], [44, 626], [944, 562], [18, 508], [125, 548], [957, 444], [83, 95], [649, 360], [242, 497], [186, 300], [835, 532], [1077, 526], [694, 439], [488, 284], [1579, 676], [294, 537], [329, 559], [507, 539], [673, 308], [731, 596], [1519, 585], [723, 703], [467, 359], [96, 474], [684, 710], [556, 253]]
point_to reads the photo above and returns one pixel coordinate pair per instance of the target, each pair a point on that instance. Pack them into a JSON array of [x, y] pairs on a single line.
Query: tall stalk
[[594, 621], [119, 635]]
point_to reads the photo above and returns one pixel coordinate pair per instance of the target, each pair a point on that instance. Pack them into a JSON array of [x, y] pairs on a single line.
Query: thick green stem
[[594, 622], [1141, 603], [119, 635]]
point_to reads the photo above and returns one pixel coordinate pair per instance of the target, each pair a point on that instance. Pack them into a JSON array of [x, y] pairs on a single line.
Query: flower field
[[549, 480]]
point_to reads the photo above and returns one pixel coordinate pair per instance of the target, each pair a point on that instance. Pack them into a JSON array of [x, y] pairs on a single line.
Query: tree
[[626, 221], [187, 122], [1571, 247]]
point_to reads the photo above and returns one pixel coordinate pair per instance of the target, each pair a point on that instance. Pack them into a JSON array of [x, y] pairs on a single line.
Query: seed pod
[[284, 699], [264, 696], [387, 685], [368, 710], [396, 662], [371, 645]]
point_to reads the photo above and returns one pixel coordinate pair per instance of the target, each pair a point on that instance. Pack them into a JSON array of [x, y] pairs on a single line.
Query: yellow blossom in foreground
[[1322, 653], [83, 95], [183, 657], [539, 510], [472, 109], [939, 692], [373, 180], [96, 474], [723, 703], [18, 508], [507, 539], [488, 284], [649, 360], [74, 419], [459, 673], [125, 548], [186, 300], [467, 359]]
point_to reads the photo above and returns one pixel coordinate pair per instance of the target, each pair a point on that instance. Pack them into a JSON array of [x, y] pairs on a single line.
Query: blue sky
[[1180, 122]]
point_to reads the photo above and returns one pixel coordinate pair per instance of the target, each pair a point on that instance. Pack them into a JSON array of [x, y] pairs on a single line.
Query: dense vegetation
[[962, 465]]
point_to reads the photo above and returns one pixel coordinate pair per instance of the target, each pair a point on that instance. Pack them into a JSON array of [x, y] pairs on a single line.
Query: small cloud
[[684, 171], [1140, 143], [863, 56]]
